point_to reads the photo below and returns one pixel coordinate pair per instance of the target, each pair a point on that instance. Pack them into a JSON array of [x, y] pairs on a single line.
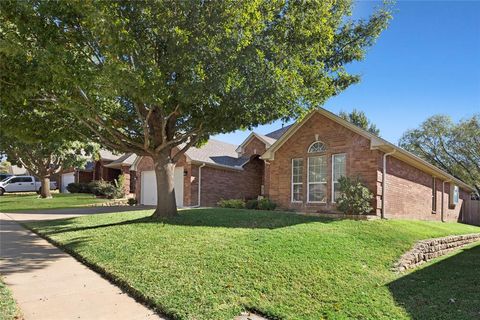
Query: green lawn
[[8, 306], [20, 202], [215, 263]]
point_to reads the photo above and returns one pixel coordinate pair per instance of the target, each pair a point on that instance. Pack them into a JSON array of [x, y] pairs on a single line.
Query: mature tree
[[40, 142], [453, 147], [5, 166], [359, 119], [43, 159], [157, 77]]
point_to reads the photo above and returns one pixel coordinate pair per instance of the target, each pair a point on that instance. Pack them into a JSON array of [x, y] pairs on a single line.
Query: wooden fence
[[471, 212]]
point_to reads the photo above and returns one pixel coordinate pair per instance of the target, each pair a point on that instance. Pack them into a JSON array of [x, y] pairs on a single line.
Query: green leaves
[[197, 68], [453, 147]]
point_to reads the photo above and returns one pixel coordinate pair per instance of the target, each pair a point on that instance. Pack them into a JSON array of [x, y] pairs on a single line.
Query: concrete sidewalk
[[49, 284]]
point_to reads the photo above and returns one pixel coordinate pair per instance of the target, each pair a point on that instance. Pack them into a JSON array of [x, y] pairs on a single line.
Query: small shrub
[[266, 204], [252, 204], [355, 197], [231, 203], [132, 201], [103, 188], [78, 188], [120, 187]]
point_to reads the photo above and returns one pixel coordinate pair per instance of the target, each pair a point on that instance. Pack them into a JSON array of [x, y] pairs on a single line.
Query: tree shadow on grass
[[225, 218], [448, 289]]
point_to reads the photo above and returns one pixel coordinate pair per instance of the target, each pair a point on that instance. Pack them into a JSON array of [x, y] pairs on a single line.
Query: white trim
[[317, 141], [295, 183], [308, 179], [376, 143], [333, 172]]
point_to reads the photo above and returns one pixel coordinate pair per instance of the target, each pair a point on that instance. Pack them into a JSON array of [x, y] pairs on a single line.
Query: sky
[[427, 62]]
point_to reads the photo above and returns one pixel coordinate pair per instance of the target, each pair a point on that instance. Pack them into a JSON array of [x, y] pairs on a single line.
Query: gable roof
[[217, 153], [268, 141], [126, 159], [376, 143], [278, 133]]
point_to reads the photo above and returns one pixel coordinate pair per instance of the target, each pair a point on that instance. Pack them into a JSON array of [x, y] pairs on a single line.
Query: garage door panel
[[67, 178], [148, 190]]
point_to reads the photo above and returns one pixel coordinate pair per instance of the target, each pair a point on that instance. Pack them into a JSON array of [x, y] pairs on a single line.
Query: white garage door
[[67, 178], [149, 187]]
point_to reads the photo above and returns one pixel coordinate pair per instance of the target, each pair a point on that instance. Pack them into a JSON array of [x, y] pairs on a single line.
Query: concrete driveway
[[49, 284]]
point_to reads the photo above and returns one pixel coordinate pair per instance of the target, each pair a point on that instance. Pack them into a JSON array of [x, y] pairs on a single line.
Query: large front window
[[338, 170], [297, 180], [317, 179]]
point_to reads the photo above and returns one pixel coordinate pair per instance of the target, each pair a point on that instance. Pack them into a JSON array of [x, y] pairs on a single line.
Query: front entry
[[148, 191]]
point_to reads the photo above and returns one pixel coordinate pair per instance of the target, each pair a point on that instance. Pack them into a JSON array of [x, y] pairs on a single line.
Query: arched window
[[316, 147]]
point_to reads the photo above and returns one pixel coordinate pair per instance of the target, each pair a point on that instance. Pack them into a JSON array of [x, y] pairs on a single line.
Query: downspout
[[443, 205], [384, 180], [199, 185]]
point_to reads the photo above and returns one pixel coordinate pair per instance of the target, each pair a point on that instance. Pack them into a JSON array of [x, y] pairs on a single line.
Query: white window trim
[[308, 180], [333, 175], [295, 183], [316, 141]]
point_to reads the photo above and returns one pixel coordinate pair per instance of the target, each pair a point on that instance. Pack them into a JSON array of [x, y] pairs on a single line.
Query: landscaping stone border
[[429, 249], [111, 203]]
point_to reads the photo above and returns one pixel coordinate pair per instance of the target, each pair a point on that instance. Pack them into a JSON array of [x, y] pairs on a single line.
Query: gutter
[[384, 180], [199, 185]]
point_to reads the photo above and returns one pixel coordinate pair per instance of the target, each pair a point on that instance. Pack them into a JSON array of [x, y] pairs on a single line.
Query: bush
[[120, 187], [78, 188], [103, 188], [252, 204], [355, 197], [266, 204], [232, 203]]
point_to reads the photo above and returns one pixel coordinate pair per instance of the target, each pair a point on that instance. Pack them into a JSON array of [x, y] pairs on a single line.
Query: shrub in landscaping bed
[[252, 204], [231, 203], [106, 189], [78, 188], [266, 204], [355, 197]]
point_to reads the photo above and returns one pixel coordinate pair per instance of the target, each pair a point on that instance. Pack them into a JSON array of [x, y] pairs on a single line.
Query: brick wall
[[220, 183], [217, 183], [254, 147], [338, 139], [409, 194]]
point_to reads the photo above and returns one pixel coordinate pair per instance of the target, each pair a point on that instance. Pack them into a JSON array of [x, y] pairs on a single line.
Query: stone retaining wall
[[426, 250]]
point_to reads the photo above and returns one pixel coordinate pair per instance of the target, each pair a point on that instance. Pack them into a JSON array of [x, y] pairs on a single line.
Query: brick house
[[298, 167], [108, 167]]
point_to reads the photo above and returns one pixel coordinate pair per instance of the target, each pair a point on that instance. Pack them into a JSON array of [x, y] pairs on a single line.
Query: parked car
[[23, 184], [4, 176]]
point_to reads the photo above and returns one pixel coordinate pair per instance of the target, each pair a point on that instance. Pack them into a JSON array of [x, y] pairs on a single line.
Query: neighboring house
[[17, 171], [298, 168], [108, 167]]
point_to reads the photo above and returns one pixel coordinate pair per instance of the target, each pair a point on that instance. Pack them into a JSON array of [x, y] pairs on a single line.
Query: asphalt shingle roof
[[217, 152], [278, 133]]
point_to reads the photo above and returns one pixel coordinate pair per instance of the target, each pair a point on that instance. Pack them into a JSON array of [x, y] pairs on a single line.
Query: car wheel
[[2, 191], [39, 190]]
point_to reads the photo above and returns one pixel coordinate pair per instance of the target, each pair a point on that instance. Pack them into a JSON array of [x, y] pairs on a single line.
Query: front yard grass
[[216, 263], [8, 307], [21, 202]]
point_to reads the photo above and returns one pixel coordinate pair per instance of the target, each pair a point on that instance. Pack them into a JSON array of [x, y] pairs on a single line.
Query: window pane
[[317, 147], [297, 192], [317, 169], [336, 191], [339, 166], [317, 192], [297, 168], [15, 180]]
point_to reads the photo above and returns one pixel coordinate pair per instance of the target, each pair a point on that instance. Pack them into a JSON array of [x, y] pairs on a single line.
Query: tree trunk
[[166, 205], [45, 188]]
